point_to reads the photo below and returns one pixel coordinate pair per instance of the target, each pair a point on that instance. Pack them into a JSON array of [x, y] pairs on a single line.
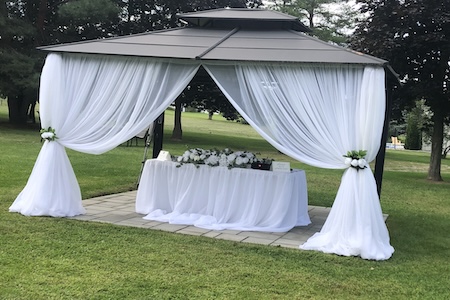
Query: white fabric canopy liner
[[314, 113], [94, 103]]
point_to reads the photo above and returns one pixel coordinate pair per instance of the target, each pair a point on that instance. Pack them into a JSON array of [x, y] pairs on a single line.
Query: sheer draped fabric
[[94, 103], [315, 114]]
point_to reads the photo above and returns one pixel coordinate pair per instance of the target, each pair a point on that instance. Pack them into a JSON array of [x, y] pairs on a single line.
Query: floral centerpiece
[[213, 158]]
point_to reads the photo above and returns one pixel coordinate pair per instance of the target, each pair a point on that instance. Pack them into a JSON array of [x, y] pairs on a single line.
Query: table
[[219, 198]]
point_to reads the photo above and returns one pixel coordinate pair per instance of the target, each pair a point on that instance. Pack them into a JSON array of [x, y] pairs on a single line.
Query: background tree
[[414, 36], [86, 19], [25, 25], [19, 71], [414, 126], [329, 20]]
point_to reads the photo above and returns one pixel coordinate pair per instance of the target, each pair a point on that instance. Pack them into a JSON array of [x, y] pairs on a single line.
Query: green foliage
[[413, 132], [356, 154], [85, 11], [85, 19], [325, 23], [204, 94], [414, 37], [18, 73]]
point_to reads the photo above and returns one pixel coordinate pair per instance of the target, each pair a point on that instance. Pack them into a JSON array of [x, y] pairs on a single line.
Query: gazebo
[[312, 100]]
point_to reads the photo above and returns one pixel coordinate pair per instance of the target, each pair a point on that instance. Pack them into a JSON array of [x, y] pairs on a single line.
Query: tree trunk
[[18, 109], [210, 114], [311, 18], [31, 113], [437, 139], [445, 152], [177, 133]]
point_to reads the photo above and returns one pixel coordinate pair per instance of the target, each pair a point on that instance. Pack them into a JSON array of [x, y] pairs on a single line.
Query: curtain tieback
[[48, 134], [356, 159]]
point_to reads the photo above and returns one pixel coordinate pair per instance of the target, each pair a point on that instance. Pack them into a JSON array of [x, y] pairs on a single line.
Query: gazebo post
[[379, 162], [158, 132]]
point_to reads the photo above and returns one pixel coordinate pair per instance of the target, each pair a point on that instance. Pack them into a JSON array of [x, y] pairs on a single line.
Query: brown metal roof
[[238, 43]]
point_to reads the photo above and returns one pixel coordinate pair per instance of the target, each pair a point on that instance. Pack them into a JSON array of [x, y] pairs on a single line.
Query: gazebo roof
[[226, 35], [242, 17]]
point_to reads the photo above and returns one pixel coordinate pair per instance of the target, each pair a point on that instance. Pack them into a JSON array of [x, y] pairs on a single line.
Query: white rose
[[196, 158], [348, 161], [245, 160], [212, 160], [362, 163], [222, 162], [202, 157], [354, 163], [47, 135], [185, 159], [231, 157], [239, 160], [180, 158]]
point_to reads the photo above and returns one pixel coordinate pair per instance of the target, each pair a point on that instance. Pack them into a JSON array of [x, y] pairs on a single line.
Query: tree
[[321, 17], [25, 25], [19, 71], [414, 36], [86, 19], [413, 128]]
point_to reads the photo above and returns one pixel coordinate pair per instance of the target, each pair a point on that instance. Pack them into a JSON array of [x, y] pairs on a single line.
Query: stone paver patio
[[119, 209]]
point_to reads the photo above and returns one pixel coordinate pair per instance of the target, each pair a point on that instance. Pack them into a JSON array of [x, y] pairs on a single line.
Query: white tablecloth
[[220, 198]]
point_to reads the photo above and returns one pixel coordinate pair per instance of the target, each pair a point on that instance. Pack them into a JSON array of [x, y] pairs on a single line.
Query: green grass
[[58, 258]]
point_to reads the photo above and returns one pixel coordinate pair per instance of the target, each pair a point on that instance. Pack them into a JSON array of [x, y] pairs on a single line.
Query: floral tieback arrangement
[[48, 134], [356, 159]]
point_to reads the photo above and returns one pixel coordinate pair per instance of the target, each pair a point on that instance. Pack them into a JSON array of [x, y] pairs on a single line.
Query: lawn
[[58, 258]]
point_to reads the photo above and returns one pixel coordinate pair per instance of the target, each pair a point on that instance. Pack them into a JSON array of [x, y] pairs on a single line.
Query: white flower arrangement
[[356, 159], [213, 158], [48, 134]]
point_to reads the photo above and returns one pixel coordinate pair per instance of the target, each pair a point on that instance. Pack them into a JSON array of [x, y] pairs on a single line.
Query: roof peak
[[242, 17]]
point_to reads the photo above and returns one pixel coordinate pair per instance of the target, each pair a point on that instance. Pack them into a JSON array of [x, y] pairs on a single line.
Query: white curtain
[[94, 103], [316, 114]]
